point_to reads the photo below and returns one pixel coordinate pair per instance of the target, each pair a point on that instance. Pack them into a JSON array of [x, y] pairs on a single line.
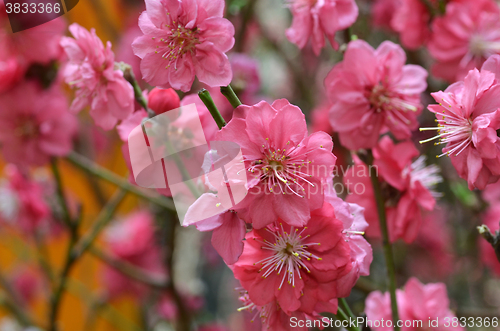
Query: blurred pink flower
[[167, 308], [132, 240], [183, 39], [22, 201], [39, 44], [10, 73], [314, 19], [411, 20], [35, 124], [124, 53], [464, 38], [417, 302], [299, 268], [26, 282], [468, 115], [91, 70], [373, 91], [286, 168], [407, 186], [246, 78], [383, 11], [491, 219]]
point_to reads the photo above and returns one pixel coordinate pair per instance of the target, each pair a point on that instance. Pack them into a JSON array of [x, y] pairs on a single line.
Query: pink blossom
[[183, 39], [35, 124], [373, 91], [314, 19], [39, 44], [22, 201], [408, 187], [383, 11], [132, 240], [417, 302], [286, 168], [98, 82], [26, 282], [468, 116], [299, 267], [10, 73], [246, 78], [320, 118], [464, 38], [411, 20]]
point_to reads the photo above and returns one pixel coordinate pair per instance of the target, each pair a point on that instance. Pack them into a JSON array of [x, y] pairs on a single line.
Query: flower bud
[[163, 100]]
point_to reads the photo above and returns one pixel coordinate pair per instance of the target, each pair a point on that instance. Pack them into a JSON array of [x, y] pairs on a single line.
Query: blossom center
[[288, 251], [428, 176], [453, 129], [179, 41], [282, 170], [480, 47]]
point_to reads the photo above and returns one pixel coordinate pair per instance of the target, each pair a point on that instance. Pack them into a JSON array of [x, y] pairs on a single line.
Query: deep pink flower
[[299, 267], [183, 39], [417, 302], [464, 38], [314, 20], [22, 201], [411, 20], [468, 115], [373, 91], [163, 100], [10, 73], [286, 168], [132, 240], [408, 187], [99, 83], [35, 124]]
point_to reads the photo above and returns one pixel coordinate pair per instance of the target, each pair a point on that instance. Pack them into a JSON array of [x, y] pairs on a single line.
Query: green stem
[[103, 219], [345, 307], [212, 108], [341, 315], [60, 193], [129, 269], [129, 76], [228, 92], [95, 169], [389, 257]]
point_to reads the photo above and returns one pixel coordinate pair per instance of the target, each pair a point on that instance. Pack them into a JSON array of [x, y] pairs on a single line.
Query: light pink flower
[[411, 20], [314, 19], [373, 91], [464, 38], [417, 302], [183, 39], [35, 124], [132, 240], [298, 267], [98, 82], [408, 186], [286, 168], [468, 115]]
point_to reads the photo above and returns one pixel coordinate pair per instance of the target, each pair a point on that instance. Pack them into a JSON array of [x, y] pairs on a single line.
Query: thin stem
[[389, 258], [95, 169], [129, 269], [342, 316], [129, 76], [212, 108], [228, 92], [345, 307], [103, 219], [60, 193]]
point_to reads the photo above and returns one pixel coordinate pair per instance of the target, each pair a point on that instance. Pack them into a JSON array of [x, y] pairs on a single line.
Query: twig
[[129, 269], [83, 163], [60, 193]]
